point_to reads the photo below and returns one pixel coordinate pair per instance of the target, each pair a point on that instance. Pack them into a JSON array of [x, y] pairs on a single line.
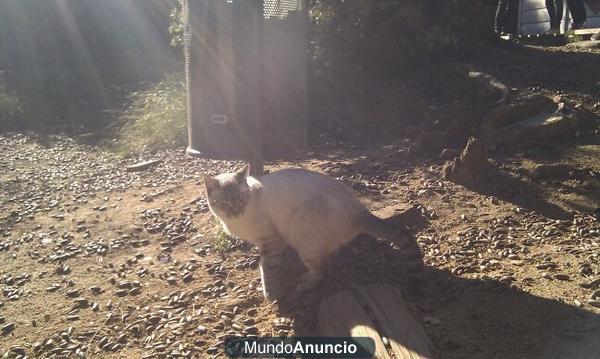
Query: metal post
[[566, 17], [519, 16]]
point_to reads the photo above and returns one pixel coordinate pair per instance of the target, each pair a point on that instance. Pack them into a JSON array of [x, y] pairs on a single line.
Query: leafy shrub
[[176, 25], [11, 109], [156, 117]]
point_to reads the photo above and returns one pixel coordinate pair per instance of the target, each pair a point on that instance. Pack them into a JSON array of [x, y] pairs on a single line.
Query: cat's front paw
[[273, 292]]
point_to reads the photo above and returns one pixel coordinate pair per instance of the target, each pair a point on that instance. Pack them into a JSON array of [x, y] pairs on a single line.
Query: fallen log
[[377, 311]]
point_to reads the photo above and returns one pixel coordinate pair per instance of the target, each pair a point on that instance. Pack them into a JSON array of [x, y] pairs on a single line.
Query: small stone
[[121, 292], [7, 328], [252, 330], [17, 350], [546, 265], [594, 302], [135, 291], [95, 290], [124, 284], [72, 293], [81, 303]]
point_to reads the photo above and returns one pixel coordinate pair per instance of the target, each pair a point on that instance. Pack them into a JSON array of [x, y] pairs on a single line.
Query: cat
[[308, 211]]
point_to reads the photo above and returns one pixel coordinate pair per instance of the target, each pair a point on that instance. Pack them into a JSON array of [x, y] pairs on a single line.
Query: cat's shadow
[[463, 317]]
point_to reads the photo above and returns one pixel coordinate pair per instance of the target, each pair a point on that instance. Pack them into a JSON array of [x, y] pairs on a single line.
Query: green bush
[[156, 117], [11, 109]]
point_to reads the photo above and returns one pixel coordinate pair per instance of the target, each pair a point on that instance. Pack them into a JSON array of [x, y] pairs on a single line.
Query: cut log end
[[377, 311]]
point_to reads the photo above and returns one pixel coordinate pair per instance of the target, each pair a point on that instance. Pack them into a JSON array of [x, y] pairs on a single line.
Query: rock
[[594, 302], [96, 290], [81, 303], [121, 292], [471, 168], [17, 350], [449, 153], [251, 330], [7, 328], [135, 291]]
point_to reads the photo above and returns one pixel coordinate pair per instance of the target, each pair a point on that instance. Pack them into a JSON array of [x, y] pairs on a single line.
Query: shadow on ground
[[523, 194], [465, 318], [519, 66]]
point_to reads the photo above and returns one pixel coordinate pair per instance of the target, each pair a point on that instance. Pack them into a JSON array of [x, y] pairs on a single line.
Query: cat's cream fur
[[309, 211]]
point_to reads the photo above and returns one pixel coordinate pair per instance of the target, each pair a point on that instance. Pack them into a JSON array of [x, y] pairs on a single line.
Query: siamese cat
[[308, 211]]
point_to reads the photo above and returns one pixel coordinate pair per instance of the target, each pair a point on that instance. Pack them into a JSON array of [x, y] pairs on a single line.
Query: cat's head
[[228, 193]]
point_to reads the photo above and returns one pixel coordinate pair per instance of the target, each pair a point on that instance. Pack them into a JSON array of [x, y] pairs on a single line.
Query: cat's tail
[[379, 228]]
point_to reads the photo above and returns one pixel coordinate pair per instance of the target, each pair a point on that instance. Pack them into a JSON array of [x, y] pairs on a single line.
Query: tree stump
[[377, 311], [471, 168]]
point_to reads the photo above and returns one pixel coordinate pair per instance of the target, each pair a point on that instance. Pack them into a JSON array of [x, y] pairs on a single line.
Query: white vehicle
[[534, 19]]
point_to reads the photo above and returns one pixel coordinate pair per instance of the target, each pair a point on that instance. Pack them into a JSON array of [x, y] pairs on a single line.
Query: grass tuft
[[223, 242]]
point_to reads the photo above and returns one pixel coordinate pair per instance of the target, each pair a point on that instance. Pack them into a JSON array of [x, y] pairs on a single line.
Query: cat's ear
[[242, 173], [211, 183]]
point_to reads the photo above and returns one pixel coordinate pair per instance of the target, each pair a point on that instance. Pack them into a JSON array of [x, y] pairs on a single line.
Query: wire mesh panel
[[285, 78], [246, 77]]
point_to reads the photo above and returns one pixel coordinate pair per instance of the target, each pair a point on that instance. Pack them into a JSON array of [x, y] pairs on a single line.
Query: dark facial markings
[[234, 200]]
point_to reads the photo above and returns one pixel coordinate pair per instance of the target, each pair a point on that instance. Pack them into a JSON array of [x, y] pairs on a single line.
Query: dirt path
[[100, 262]]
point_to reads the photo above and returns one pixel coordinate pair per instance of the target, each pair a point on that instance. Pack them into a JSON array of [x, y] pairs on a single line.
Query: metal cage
[[246, 72]]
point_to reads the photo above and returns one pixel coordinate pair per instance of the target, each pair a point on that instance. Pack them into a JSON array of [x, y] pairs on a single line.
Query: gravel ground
[[97, 261]]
